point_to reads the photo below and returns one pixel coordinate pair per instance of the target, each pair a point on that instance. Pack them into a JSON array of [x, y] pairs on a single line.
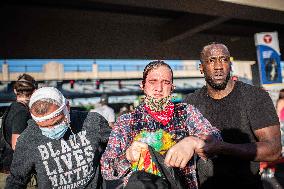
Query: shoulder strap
[[167, 172]]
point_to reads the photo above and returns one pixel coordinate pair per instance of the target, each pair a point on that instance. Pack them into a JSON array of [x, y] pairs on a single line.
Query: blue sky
[[35, 65]]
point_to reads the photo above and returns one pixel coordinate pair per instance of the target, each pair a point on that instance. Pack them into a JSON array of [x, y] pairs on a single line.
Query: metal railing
[[25, 68], [39, 68], [120, 67], [88, 68], [78, 68], [125, 68]]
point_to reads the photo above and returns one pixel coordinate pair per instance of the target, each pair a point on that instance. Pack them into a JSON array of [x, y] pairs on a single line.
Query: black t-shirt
[[16, 121], [245, 109]]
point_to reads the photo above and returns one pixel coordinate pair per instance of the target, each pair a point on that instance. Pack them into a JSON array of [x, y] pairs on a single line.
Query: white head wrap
[[49, 93]]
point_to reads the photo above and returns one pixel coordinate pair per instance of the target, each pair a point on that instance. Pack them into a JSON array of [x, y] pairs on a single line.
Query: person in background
[[246, 118], [106, 111], [19, 114], [16, 120], [171, 129], [280, 110], [268, 169], [63, 147], [124, 110]]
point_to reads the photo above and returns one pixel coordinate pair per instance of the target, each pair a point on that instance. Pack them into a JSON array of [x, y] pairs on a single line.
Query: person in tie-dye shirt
[[171, 129]]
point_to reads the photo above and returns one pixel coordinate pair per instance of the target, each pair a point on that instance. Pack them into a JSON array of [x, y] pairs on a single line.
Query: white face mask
[[58, 130]]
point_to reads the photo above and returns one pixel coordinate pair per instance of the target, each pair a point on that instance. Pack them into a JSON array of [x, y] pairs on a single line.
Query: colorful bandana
[[163, 116], [157, 105]]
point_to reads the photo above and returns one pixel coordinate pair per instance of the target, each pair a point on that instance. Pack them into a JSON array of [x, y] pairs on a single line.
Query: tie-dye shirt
[[186, 121]]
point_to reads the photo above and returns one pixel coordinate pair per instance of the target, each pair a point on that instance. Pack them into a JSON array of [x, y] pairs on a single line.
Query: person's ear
[[68, 105], [141, 86], [15, 91], [173, 88], [201, 68]]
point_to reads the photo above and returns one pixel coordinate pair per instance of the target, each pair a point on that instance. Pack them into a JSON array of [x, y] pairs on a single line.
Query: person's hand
[[134, 151], [210, 147], [179, 154]]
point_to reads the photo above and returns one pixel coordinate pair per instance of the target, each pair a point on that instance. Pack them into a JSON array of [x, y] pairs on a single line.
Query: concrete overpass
[[144, 29], [187, 78], [54, 71]]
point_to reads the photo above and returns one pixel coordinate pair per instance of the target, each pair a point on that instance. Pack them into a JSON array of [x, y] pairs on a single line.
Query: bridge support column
[[53, 71], [5, 72], [95, 71]]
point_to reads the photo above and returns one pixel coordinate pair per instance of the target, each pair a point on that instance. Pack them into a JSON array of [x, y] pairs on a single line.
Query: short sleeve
[[19, 123], [260, 109]]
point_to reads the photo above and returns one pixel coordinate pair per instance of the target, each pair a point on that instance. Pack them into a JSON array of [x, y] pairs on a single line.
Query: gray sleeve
[[105, 129], [20, 170], [100, 126]]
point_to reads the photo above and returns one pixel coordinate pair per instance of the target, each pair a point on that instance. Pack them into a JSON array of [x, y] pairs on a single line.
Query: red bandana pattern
[[162, 116]]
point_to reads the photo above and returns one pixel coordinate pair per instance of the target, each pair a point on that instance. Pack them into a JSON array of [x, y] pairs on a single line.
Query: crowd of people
[[215, 138]]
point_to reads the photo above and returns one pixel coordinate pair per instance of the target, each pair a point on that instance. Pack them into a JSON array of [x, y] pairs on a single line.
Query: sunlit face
[[216, 66], [158, 83], [53, 121]]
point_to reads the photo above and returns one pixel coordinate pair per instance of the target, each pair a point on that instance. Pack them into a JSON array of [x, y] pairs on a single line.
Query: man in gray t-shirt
[[63, 147]]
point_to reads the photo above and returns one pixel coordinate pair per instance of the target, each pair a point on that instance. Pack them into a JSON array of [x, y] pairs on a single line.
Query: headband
[[26, 81], [48, 93]]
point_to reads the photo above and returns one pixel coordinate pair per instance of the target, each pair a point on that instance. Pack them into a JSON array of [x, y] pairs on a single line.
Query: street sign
[[268, 56]]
